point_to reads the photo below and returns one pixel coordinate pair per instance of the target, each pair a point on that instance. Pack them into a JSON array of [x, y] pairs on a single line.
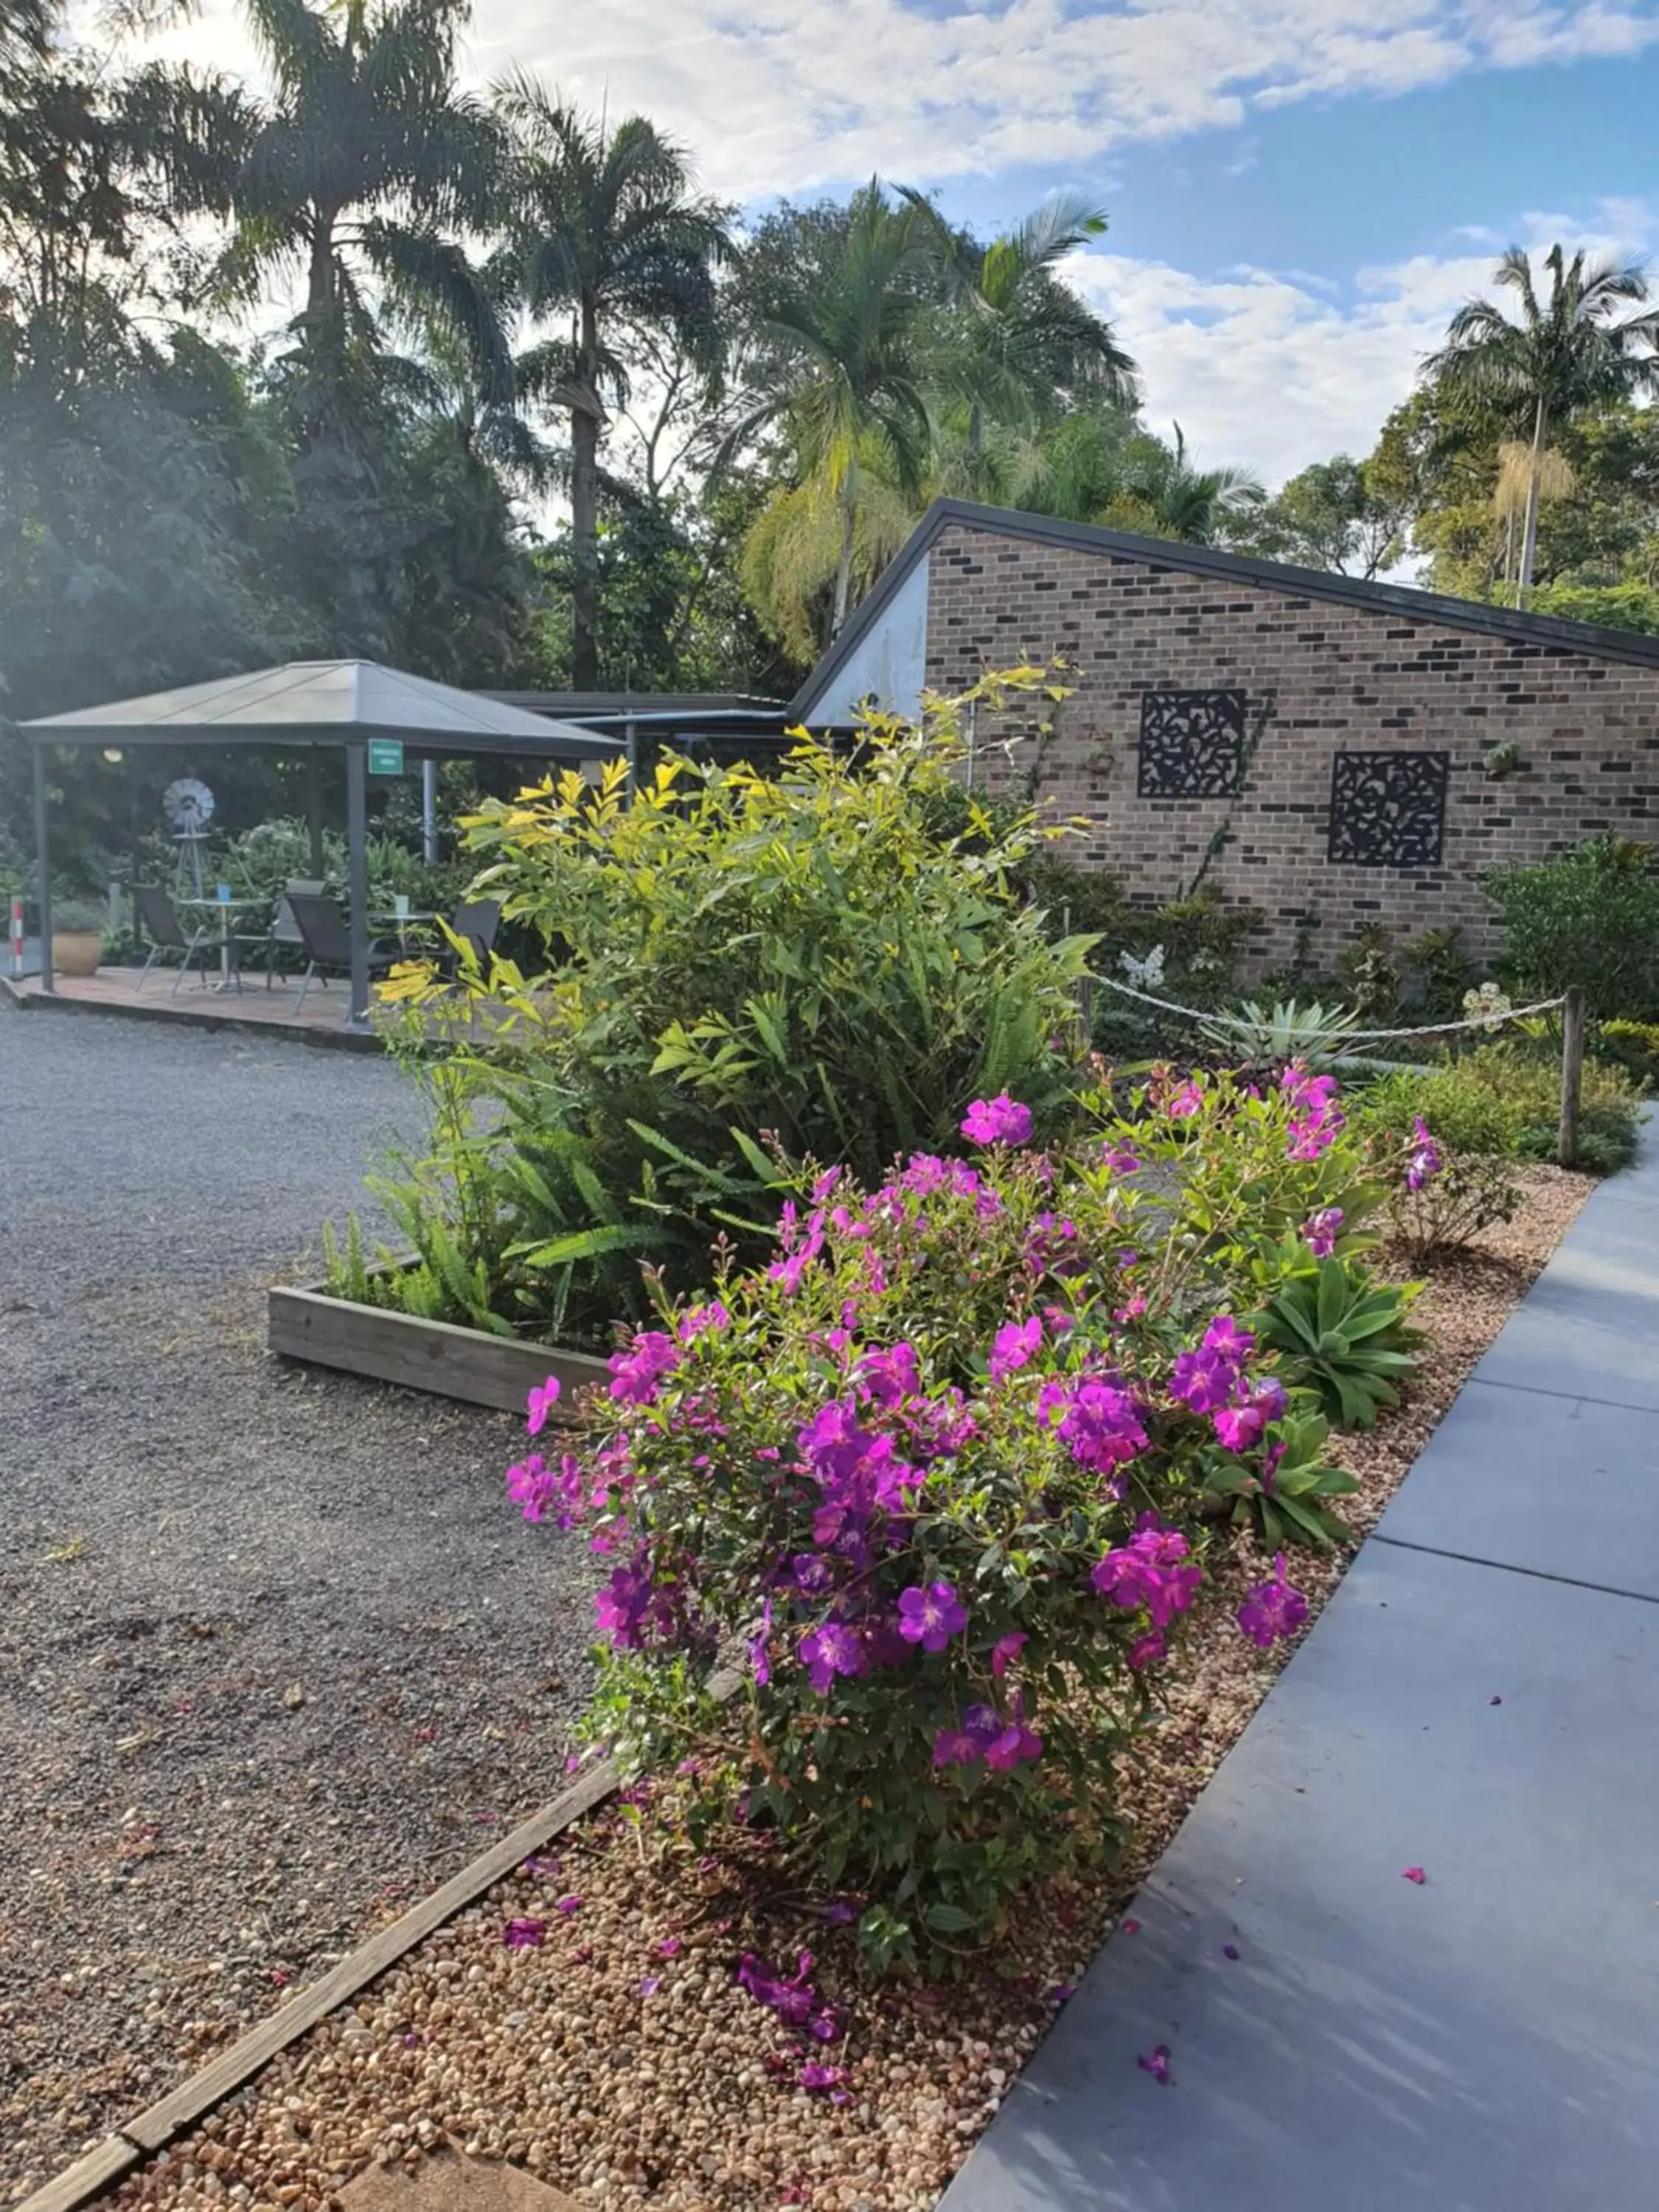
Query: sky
[[1299, 192]]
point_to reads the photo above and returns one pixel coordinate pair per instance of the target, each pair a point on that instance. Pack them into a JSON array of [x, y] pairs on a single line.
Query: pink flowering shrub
[[937, 1479]]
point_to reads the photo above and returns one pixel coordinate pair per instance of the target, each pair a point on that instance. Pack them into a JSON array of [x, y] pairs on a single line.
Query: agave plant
[[1284, 1030], [1343, 1336]]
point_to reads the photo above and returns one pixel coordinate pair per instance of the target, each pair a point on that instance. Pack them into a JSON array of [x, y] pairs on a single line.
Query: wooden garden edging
[[467, 1364], [153, 2129]]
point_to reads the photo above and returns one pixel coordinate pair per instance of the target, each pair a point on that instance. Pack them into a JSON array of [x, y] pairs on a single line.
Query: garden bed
[[389, 1347], [618, 2057]]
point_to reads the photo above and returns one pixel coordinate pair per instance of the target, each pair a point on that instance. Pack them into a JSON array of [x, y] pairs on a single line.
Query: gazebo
[[309, 707]]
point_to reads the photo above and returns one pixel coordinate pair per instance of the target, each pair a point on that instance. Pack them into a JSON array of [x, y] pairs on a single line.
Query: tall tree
[[1334, 515], [607, 234], [367, 164], [848, 371], [1017, 343], [1565, 356]]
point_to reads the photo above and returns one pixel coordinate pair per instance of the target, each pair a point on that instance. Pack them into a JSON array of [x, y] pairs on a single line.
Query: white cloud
[[1266, 368], [787, 94]]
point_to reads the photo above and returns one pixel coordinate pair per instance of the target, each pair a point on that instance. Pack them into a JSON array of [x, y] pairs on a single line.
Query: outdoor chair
[[285, 930], [475, 921], [167, 933], [326, 942]]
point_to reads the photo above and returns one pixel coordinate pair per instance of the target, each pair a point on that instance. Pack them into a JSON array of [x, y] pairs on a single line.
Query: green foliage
[[1590, 918], [1472, 1191], [1439, 972], [1503, 1100], [1342, 1335], [748, 967], [1288, 1503]]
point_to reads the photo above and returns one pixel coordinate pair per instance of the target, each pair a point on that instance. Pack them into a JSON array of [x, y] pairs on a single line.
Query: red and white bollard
[[17, 937]]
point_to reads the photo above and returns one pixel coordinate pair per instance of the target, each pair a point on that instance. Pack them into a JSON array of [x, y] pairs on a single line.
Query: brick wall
[[1343, 679]]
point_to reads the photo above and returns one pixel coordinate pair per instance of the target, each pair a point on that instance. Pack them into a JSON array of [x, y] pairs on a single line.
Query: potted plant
[[77, 936]]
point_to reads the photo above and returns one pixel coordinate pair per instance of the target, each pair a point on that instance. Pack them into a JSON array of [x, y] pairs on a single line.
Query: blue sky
[[1300, 191]]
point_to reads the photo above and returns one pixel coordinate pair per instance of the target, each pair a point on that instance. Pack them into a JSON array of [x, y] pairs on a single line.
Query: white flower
[[1489, 1006]]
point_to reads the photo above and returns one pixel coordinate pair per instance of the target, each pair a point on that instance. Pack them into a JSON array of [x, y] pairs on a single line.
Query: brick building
[[1375, 748]]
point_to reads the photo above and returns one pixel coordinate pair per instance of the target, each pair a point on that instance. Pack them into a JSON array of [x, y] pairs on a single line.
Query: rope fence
[[1247, 1027], [1572, 1039]]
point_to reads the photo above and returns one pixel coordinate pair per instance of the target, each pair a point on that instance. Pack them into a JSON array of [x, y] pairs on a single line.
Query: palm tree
[[1160, 492], [605, 228], [1018, 339], [368, 162], [841, 349], [1564, 356]]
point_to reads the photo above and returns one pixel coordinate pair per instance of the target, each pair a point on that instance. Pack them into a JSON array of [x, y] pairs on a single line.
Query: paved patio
[[1480, 1700]]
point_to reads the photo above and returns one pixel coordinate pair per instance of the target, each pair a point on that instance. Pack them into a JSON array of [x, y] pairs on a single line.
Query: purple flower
[[1241, 1427], [698, 1321], [1151, 1569], [621, 1606], [1118, 1158], [999, 1120], [1016, 1343], [1016, 1744], [890, 1377], [636, 1373], [1147, 1650], [1425, 1161], [1187, 1102], [822, 2078], [1005, 1649], [1102, 1426], [524, 1934], [1156, 2064], [1320, 1231], [931, 1617], [842, 1913], [542, 1399], [832, 1649], [1273, 1609]]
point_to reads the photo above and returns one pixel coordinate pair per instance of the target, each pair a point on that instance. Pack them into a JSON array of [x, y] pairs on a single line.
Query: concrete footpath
[[1480, 1700]]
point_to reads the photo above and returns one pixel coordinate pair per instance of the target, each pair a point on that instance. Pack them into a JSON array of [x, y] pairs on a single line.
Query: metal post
[[357, 864], [429, 812], [632, 736], [43, 864], [315, 810], [1572, 1073]]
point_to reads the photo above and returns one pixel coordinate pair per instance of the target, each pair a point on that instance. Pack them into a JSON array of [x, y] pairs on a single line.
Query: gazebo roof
[[325, 704]]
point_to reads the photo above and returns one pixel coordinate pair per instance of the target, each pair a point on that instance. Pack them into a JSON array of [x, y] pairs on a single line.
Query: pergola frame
[[309, 707]]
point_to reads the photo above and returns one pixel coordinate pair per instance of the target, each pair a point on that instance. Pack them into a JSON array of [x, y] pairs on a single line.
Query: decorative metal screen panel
[[1388, 809], [1192, 744]]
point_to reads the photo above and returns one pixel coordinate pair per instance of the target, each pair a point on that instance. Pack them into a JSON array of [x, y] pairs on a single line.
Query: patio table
[[226, 909]]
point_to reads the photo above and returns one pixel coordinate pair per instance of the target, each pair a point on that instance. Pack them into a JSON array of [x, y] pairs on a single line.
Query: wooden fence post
[[1572, 1074]]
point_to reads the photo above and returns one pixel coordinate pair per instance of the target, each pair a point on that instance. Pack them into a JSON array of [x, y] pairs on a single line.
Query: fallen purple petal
[[1060, 1996], [1129, 1927], [1157, 2065], [1414, 1874], [568, 1905], [669, 1947], [650, 1985], [1230, 1951], [524, 1934]]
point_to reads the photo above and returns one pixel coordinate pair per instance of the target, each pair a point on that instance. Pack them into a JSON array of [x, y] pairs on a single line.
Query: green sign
[[385, 756]]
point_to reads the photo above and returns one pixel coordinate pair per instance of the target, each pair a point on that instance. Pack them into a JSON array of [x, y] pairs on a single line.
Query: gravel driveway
[[276, 1655]]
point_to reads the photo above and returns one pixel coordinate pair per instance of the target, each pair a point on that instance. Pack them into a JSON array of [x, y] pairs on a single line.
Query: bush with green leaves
[[1590, 917], [944, 1472], [1502, 1101], [1340, 1334], [741, 970]]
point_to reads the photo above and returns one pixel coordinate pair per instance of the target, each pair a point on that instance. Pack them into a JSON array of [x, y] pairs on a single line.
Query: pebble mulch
[[615, 2055]]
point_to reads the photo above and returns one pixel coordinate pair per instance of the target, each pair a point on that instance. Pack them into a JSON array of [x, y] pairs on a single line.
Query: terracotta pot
[[76, 951]]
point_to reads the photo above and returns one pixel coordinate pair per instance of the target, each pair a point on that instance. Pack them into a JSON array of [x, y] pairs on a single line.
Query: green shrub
[[1590, 918], [1503, 1100], [943, 1473], [1470, 1192], [750, 969]]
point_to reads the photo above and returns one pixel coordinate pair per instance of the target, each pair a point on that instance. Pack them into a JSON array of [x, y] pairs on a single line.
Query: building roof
[[693, 713], [323, 703], [1549, 632]]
